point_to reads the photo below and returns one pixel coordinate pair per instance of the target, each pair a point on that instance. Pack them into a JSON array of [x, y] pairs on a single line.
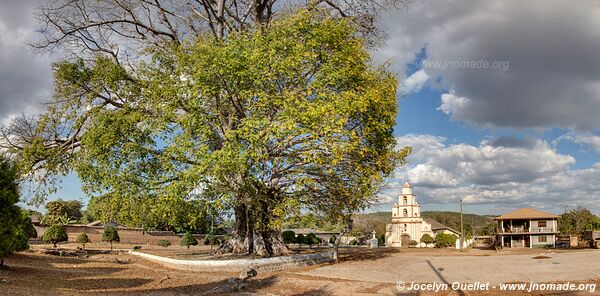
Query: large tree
[[13, 224], [59, 207], [273, 114]]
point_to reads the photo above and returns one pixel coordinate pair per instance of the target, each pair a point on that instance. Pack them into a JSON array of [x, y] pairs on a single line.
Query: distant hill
[[473, 223]]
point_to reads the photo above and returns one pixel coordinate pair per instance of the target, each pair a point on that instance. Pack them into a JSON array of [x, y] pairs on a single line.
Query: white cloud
[[414, 83], [588, 139], [506, 172]]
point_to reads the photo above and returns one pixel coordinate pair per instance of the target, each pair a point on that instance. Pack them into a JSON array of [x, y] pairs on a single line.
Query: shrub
[[164, 243], [137, 247], [312, 239], [211, 240], [13, 237], [288, 236], [300, 239], [444, 240], [332, 239], [412, 243], [426, 239], [83, 239], [188, 240], [110, 235], [55, 234], [354, 242], [28, 228]]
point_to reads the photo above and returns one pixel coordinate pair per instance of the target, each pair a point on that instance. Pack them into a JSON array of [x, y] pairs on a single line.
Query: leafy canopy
[[289, 116], [55, 234], [14, 226]]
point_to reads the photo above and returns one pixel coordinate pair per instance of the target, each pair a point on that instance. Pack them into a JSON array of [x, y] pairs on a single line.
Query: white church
[[407, 223]]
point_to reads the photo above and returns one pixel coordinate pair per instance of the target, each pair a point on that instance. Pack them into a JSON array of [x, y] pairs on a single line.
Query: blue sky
[[523, 131]]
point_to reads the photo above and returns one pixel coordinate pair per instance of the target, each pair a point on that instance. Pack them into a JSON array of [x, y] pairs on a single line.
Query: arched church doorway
[[405, 240]]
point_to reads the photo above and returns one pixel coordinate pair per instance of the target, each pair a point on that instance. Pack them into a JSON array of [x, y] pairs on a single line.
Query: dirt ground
[[362, 272]]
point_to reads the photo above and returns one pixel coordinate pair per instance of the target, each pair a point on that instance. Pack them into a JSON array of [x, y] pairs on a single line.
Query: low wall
[[126, 235], [235, 265]]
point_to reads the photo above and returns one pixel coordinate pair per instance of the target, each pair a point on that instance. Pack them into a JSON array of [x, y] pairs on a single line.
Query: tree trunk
[[2, 263], [249, 240], [336, 254], [111, 246]]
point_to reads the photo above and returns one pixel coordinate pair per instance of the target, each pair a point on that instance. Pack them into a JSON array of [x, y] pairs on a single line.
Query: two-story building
[[526, 228]]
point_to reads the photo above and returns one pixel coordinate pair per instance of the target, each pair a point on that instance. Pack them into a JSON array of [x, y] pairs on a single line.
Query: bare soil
[[362, 272]]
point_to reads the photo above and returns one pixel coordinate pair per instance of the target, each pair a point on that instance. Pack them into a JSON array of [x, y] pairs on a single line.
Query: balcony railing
[[542, 229], [527, 230]]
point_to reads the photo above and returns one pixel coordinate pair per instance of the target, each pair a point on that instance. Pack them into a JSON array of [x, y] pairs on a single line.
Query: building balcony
[[523, 230]]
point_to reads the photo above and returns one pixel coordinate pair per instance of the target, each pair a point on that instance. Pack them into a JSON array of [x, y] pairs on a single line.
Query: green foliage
[[13, 225], [188, 240], [427, 239], [312, 239], [354, 242], [288, 236], [59, 207], [20, 242], [332, 239], [163, 243], [381, 239], [111, 235], [578, 220], [278, 118], [211, 239], [443, 240], [412, 243], [57, 220], [300, 239], [27, 227], [55, 234], [83, 239]]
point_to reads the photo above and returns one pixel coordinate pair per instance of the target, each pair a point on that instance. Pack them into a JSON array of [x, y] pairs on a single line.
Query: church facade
[[407, 223]]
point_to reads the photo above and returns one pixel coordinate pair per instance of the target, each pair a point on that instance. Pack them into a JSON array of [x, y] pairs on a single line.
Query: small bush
[[164, 243], [443, 240], [300, 239], [83, 239], [426, 239], [413, 243], [137, 248], [289, 236], [188, 240], [354, 242], [211, 239], [110, 235], [312, 239], [332, 239], [55, 234]]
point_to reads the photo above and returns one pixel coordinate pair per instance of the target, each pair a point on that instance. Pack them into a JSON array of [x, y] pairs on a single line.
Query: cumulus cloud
[[587, 139], [413, 83], [25, 78], [505, 171], [516, 64]]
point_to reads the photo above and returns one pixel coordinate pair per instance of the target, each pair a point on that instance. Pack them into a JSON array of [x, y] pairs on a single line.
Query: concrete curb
[[234, 265]]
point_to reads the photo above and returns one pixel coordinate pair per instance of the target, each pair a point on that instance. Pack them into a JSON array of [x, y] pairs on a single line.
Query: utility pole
[[462, 229]]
